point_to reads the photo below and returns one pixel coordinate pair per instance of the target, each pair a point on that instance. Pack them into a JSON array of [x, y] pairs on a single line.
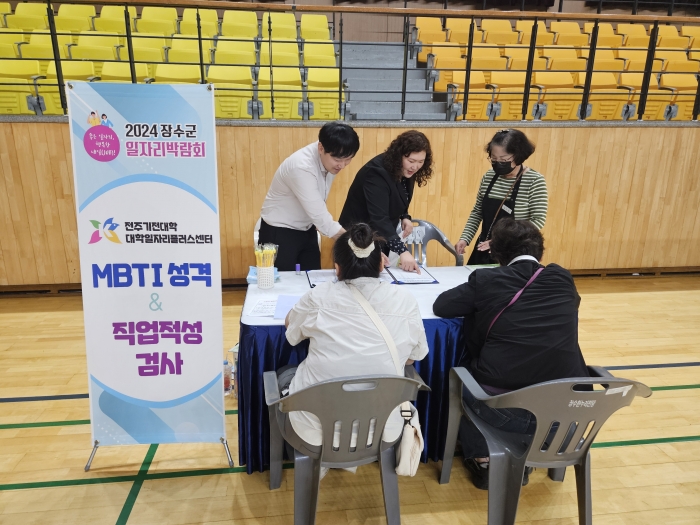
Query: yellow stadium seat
[[524, 28], [605, 60], [177, 74], [517, 58], [428, 23], [5, 9], [8, 51], [40, 47], [97, 48], [186, 49], [148, 48], [676, 60], [240, 24], [657, 100], [556, 90], [446, 61], [563, 59], [233, 91], [635, 59], [606, 34], [286, 82], [283, 54], [322, 93], [238, 52], [683, 87], [319, 53], [568, 34], [605, 99], [425, 47], [28, 17], [121, 72], [160, 20], [72, 70], [499, 32], [693, 33], [694, 55], [75, 18], [9, 38], [634, 35], [314, 27], [508, 90], [26, 69], [208, 21], [487, 59], [669, 37], [111, 19], [459, 36], [499, 26], [16, 97], [462, 25], [479, 96], [283, 25]]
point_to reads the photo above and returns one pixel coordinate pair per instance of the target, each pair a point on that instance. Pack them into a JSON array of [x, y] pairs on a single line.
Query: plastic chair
[[559, 440], [430, 233], [333, 402]]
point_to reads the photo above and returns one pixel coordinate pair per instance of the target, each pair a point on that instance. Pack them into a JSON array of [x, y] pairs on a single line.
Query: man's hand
[[484, 246], [408, 263], [460, 246], [386, 261], [341, 231], [407, 227]]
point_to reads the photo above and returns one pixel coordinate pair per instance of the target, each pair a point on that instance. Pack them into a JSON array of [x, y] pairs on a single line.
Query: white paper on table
[[284, 304], [316, 277], [411, 277], [384, 276], [264, 308]]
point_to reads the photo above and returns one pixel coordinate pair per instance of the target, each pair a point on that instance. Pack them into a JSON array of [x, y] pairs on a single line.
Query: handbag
[[411, 447], [515, 298]]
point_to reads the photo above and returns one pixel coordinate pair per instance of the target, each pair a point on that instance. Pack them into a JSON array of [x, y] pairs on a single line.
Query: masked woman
[[508, 190]]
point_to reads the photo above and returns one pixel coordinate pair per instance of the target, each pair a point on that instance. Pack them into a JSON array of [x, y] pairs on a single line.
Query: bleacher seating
[[240, 24], [233, 91], [606, 34], [208, 22], [177, 74], [40, 47], [157, 20], [72, 70], [75, 18], [186, 49], [96, 48], [499, 32], [568, 34], [322, 93], [288, 93], [524, 28], [458, 31], [5, 9], [283, 53], [235, 52], [121, 72], [27, 17], [280, 26], [314, 27], [111, 19]]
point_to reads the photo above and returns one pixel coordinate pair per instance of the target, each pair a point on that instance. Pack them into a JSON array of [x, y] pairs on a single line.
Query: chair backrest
[[568, 418], [352, 403], [424, 232]]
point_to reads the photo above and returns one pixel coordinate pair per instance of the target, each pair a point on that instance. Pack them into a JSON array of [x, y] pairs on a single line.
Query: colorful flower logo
[[106, 229]]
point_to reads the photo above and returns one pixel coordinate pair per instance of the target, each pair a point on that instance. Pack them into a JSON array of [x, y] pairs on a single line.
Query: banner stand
[[224, 442]]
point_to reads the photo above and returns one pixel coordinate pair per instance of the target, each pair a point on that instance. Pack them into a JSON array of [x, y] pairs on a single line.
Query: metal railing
[[303, 96]]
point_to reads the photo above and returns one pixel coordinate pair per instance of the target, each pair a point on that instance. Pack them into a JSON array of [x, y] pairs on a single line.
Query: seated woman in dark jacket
[[534, 340]]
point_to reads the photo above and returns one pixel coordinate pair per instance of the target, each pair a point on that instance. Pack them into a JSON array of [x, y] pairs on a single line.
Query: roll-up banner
[[144, 163]]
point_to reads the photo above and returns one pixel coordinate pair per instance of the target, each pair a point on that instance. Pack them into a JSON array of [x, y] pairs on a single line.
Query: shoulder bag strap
[[374, 316], [515, 298]]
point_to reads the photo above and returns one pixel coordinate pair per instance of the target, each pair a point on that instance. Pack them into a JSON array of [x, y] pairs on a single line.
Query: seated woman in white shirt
[[343, 340]]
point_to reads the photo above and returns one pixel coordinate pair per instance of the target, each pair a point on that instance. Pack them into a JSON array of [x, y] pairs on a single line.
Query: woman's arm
[[456, 302], [538, 200], [474, 217]]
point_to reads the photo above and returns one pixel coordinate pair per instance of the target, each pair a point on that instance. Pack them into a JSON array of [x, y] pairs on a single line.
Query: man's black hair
[[339, 140]]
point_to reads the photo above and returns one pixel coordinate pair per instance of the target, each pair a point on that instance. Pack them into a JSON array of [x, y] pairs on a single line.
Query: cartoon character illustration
[[93, 119], [106, 122]]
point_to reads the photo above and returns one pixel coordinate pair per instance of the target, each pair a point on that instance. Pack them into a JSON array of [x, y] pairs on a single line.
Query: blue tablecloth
[[265, 348]]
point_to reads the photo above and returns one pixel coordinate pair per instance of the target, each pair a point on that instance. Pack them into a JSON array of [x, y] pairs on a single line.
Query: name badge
[[507, 209]]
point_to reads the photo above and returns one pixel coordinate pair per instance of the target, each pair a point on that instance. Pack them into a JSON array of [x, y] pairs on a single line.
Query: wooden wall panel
[[624, 197]]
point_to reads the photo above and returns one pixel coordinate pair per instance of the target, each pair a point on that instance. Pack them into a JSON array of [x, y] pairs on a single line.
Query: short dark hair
[[351, 266], [105, 116], [510, 238], [92, 113], [402, 146], [515, 143], [339, 140]]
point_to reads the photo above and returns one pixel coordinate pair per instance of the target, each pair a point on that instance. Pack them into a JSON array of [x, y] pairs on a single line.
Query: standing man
[[295, 205]]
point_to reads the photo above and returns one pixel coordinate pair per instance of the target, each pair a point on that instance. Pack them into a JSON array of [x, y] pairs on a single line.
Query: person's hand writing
[[385, 260], [408, 263], [484, 246], [460, 246], [407, 227]]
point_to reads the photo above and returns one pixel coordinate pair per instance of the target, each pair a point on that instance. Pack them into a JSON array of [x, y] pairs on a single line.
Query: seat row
[[557, 95], [566, 33], [240, 92], [444, 59], [165, 21]]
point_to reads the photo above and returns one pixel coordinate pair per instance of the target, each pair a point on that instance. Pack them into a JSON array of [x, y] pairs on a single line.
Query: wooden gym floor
[[646, 464]]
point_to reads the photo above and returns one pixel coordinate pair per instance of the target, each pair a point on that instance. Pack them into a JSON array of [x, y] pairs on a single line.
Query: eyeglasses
[[491, 159]]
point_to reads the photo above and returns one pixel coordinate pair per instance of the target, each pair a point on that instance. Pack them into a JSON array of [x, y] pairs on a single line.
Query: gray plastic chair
[[568, 421], [332, 402], [432, 232]]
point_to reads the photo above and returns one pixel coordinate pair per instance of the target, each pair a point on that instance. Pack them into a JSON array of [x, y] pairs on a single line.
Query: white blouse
[[344, 342]]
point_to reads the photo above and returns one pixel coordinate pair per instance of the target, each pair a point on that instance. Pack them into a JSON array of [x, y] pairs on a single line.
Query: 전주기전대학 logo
[[105, 230]]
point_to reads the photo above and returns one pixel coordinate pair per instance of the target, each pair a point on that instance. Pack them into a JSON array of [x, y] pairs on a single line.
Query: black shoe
[[526, 476], [479, 472]]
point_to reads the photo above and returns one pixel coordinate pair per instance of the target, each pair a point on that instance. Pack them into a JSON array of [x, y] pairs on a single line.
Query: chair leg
[[307, 475], [455, 413], [390, 485], [276, 450], [583, 491], [505, 481], [557, 474]]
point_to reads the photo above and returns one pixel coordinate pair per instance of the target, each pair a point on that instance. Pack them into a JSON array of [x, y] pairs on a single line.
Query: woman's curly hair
[[402, 146]]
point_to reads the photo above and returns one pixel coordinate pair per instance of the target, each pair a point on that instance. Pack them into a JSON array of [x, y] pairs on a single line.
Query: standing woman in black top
[[383, 188]]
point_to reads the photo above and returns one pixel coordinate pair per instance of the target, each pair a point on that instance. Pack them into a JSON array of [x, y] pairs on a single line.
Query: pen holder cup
[[266, 277]]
